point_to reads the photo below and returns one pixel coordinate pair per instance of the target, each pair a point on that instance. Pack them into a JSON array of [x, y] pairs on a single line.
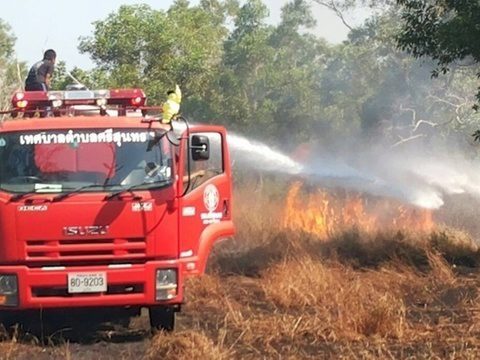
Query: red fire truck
[[102, 205]]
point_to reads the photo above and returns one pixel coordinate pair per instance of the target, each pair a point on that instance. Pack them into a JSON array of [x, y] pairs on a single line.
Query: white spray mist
[[418, 179]]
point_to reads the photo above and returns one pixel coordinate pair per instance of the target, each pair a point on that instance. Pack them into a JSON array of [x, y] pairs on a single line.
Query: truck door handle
[[226, 207]]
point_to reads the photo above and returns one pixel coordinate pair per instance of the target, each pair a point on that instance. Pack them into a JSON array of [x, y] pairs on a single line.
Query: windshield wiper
[[137, 187], [19, 196], [41, 190], [75, 191]]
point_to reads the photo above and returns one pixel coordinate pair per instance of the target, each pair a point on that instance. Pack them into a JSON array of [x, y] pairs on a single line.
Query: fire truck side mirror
[[200, 147]]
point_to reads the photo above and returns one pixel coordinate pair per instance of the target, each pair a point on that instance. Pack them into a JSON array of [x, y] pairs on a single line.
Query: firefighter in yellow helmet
[[171, 107]]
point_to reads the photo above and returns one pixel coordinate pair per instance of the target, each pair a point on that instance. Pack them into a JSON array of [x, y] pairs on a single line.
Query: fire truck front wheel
[[162, 318], [7, 320]]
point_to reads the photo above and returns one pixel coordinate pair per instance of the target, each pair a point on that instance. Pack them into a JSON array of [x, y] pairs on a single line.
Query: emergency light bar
[[122, 98]]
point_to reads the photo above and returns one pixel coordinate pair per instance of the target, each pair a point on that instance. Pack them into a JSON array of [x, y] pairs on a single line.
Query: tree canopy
[[10, 70], [446, 31], [154, 49]]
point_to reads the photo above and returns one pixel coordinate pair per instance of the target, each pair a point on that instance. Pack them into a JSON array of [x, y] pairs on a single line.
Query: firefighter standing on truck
[[40, 73]]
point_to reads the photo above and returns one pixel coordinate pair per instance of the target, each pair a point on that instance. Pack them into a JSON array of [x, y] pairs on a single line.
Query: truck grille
[[86, 249]]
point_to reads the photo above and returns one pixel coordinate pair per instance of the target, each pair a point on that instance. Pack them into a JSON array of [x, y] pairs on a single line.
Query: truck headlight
[[57, 103], [166, 284], [101, 102], [8, 290]]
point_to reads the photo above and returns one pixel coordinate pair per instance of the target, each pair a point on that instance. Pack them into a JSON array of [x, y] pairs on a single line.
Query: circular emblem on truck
[[211, 197]]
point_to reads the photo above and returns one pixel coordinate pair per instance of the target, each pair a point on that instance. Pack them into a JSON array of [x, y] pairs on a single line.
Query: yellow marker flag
[[171, 107]]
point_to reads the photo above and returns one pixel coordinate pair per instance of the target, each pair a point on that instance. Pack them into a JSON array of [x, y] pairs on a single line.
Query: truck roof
[[75, 122], [92, 109]]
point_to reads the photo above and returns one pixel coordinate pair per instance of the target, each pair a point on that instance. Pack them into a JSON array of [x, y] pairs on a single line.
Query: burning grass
[[279, 291], [357, 293], [327, 213]]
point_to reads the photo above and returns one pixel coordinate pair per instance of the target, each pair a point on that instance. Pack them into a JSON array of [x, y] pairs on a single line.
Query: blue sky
[[58, 24]]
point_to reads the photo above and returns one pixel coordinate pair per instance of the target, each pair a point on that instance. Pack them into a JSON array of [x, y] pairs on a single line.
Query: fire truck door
[[208, 192]]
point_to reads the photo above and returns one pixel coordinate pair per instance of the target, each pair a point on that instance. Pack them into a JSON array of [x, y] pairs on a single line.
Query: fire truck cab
[[108, 209]]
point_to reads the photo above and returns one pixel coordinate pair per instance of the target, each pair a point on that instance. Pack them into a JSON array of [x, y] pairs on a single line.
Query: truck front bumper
[[127, 285]]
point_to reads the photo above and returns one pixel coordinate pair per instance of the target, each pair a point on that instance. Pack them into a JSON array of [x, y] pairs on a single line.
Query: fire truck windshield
[[59, 161]]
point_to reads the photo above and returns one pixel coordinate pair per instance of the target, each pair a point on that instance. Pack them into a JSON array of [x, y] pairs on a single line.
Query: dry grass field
[[289, 290]]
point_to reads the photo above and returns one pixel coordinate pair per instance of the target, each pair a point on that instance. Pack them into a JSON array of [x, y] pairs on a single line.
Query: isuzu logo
[[85, 230]]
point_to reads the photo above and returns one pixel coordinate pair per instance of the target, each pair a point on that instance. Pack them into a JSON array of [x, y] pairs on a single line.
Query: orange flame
[[323, 213]]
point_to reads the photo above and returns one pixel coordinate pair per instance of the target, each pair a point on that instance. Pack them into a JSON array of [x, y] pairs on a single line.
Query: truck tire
[[6, 320], [162, 318]]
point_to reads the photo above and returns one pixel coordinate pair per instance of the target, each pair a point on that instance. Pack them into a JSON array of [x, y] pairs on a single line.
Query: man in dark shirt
[[40, 73]]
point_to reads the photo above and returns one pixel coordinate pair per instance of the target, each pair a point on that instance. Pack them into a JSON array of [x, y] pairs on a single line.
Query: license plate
[[87, 282]]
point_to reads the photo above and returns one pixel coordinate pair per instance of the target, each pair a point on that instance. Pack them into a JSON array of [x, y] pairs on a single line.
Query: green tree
[[11, 72], [444, 30], [153, 49], [270, 73], [370, 84], [280, 82], [93, 79], [259, 78]]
